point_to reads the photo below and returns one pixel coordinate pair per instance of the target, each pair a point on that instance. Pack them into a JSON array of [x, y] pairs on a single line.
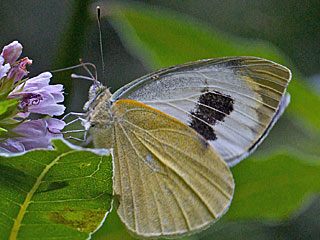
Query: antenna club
[[98, 9]]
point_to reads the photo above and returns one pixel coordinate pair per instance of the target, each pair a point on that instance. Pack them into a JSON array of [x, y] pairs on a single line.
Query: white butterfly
[[174, 133]]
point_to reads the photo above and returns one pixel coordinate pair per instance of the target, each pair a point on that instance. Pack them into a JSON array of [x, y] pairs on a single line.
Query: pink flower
[[11, 52], [19, 70], [3, 68], [33, 95], [37, 96], [34, 134]]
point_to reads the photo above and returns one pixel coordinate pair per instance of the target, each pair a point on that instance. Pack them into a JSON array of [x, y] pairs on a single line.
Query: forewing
[[232, 102], [168, 179]]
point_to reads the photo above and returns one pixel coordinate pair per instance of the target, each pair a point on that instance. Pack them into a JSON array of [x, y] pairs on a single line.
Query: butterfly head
[[97, 106], [96, 92]]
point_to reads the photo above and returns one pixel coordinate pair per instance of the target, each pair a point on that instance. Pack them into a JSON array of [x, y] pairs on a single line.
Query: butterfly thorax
[[99, 120], [97, 107]]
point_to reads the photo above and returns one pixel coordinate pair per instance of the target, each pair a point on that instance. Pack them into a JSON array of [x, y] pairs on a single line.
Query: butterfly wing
[[168, 179], [232, 102]]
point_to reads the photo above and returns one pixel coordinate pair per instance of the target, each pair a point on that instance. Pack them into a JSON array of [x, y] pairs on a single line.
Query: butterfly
[[176, 132]]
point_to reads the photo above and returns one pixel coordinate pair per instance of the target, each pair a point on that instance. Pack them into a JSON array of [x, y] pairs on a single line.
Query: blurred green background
[[277, 188]]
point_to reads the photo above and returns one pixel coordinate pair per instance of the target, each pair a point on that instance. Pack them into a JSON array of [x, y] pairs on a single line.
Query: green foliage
[[6, 88], [69, 51], [3, 107], [61, 193], [273, 187], [8, 109]]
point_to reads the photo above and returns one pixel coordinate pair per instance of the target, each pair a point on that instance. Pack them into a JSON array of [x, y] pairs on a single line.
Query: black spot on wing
[[211, 107]]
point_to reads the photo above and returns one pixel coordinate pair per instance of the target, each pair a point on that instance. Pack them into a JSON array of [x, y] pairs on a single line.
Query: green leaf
[[9, 107], [3, 107], [273, 187], [162, 38], [63, 193], [3, 130], [116, 230], [6, 87], [304, 225]]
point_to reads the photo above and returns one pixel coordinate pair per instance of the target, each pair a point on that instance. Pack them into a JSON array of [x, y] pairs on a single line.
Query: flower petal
[[3, 68], [19, 69], [49, 95], [11, 145], [11, 52], [36, 134], [54, 123], [52, 109]]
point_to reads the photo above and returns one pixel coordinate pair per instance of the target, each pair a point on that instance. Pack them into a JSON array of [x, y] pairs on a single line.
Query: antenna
[[84, 65], [100, 39]]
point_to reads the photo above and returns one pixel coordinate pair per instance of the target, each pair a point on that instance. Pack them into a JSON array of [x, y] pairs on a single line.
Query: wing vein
[[131, 184], [198, 194], [197, 95], [286, 80], [177, 149], [232, 117], [241, 86], [235, 92], [221, 122]]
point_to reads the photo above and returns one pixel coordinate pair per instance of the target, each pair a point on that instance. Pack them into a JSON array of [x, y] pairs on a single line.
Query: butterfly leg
[[73, 114]]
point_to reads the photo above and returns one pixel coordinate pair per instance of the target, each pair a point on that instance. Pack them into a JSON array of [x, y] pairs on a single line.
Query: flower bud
[[19, 70], [11, 52]]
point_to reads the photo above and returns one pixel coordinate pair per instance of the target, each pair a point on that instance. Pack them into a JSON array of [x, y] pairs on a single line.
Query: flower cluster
[[20, 97]]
